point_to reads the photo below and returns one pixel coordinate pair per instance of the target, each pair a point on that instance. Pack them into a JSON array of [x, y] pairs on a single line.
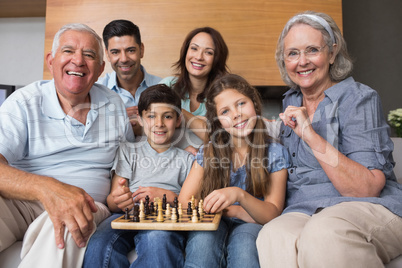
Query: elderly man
[[58, 140]]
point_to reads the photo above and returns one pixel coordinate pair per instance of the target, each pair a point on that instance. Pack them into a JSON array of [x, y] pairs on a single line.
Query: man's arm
[[67, 205], [197, 124]]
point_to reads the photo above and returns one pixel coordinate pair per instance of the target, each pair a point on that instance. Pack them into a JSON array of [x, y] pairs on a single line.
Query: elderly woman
[[344, 205]]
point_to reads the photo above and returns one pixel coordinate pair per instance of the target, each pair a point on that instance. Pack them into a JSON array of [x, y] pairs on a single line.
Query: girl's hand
[[298, 120], [220, 199], [121, 196]]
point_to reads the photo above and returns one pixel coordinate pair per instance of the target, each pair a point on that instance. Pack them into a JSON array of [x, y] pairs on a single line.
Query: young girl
[[240, 172]]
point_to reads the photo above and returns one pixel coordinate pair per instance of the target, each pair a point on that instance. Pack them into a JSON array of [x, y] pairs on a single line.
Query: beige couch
[[10, 258]]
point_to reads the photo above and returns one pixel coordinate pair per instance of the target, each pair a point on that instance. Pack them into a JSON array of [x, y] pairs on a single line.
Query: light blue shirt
[[278, 159], [185, 103], [110, 81], [38, 137], [350, 118]]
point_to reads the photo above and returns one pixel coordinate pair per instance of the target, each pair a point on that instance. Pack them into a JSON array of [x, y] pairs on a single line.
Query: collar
[[153, 151], [112, 82], [51, 106], [334, 93], [147, 81], [50, 102]]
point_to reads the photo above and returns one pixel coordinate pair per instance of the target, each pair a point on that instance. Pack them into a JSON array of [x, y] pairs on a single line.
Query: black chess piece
[[126, 216], [146, 206], [146, 209], [152, 208], [189, 209], [136, 214], [175, 203], [164, 202]]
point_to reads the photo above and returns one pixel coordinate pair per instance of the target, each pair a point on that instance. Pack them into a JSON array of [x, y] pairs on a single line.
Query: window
[[5, 91]]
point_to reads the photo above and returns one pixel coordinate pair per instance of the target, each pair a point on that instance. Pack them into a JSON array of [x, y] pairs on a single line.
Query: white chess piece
[[174, 215], [195, 217], [180, 210], [142, 214]]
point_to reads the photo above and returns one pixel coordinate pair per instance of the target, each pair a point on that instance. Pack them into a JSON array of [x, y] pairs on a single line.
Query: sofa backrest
[[397, 154]]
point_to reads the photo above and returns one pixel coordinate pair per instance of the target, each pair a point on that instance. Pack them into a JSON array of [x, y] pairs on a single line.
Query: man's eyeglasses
[[310, 52]]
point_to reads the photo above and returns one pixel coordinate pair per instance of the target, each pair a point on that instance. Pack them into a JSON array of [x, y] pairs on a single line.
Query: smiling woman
[[203, 57]]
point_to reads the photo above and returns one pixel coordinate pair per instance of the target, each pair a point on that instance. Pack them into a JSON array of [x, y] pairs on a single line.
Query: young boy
[[153, 167]]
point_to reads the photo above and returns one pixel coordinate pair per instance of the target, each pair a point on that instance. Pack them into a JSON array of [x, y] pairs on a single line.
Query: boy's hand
[[121, 196], [152, 192]]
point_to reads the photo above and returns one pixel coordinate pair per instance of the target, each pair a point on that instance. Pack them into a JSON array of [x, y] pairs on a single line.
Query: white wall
[[22, 44]]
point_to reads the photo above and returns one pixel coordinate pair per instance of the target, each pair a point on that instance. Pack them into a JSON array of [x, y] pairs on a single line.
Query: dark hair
[[215, 177], [219, 67], [159, 93], [121, 28]]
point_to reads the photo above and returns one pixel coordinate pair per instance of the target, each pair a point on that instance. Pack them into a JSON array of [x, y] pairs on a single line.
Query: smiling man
[[124, 50], [58, 140]]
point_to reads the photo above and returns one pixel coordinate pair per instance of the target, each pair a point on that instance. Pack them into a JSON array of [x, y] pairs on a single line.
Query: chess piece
[[174, 215], [180, 210], [189, 209], [126, 216], [151, 208], [136, 213], [201, 213], [200, 208], [164, 202], [175, 203], [146, 209], [167, 210], [146, 205], [160, 218], [142, 213], [192, 202], [195, 217]]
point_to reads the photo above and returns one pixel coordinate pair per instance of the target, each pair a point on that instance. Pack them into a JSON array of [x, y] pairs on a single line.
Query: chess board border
[[168, 225]]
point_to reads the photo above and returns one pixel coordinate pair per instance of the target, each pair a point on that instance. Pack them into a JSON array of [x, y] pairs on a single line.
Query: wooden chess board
[[209, 222]]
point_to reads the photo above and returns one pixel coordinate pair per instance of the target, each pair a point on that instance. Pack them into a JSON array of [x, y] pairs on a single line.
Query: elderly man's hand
[[69, 207]]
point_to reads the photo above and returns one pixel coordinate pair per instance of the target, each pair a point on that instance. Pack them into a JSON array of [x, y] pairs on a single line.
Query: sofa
[[10, 258]]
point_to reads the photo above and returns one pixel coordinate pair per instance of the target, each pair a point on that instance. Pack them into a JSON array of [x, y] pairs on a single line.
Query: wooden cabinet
[[22, 8]]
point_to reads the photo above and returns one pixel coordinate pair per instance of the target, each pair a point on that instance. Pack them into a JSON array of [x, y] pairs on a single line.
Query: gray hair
[[81, 28], [342, 66]]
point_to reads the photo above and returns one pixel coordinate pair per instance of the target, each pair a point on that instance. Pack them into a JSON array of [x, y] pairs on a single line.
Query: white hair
[[81, 28]]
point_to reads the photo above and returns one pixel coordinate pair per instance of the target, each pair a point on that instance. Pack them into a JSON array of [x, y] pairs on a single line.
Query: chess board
[[209, 222]]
